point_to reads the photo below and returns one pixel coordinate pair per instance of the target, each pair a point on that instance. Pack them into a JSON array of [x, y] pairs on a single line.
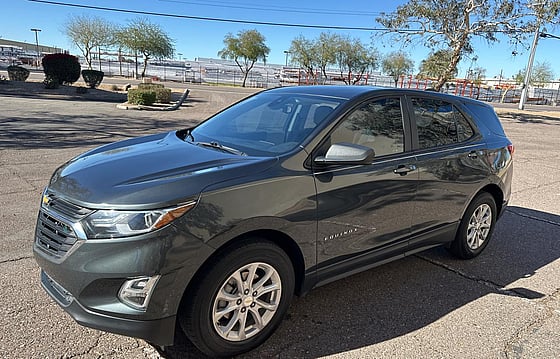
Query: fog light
[[136, 292]]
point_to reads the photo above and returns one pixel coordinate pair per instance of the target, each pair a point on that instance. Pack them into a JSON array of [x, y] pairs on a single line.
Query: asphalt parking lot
[[503, 304]]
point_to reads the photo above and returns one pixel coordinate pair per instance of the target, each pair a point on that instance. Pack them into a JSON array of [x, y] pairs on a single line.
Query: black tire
[[197, 320], [476, 227]]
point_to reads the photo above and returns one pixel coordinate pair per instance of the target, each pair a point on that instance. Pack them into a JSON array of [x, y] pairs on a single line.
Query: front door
[[365, 209]]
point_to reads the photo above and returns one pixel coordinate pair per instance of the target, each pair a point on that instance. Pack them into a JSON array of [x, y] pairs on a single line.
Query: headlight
[[115, 224]]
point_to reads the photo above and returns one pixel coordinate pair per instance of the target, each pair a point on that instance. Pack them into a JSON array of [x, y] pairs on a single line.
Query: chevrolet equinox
[[214, 228]]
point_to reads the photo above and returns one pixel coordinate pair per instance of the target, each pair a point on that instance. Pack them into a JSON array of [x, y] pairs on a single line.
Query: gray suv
[[213, 229]]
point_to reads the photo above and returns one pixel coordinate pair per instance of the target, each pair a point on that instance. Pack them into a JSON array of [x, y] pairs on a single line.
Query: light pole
[[527, 79], [36, 31], [287, 53]]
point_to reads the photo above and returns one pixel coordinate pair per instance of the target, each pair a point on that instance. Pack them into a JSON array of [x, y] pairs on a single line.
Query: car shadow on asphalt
[[70, 94], [71, 131], [406, 295]]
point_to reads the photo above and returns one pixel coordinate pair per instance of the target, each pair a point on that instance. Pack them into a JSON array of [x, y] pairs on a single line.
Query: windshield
[[266, 124]]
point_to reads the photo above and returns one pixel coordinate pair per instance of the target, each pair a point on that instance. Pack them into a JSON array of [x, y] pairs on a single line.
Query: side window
[[377, 124], [439, 123]]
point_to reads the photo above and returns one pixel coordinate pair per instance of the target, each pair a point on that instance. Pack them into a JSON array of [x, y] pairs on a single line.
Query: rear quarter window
[[486, 116], [439, 123]]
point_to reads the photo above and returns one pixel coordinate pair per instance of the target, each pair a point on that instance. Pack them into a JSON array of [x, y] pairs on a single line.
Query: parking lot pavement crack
[[11, 260], [514, 345], [88, 351], [14, 172], [554, 223], [498, 288], [527, 189]]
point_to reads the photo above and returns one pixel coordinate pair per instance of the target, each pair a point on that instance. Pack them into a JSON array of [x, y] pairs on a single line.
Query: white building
[[10, 53]]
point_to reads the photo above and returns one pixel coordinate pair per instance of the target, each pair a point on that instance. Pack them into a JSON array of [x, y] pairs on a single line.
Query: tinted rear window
[[439, 123], [486, 116]]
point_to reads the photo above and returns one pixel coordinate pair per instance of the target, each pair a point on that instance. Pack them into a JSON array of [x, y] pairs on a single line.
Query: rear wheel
[[240, 300], [476, 227]]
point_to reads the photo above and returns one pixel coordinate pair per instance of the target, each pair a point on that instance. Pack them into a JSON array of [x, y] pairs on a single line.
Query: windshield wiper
[[220, 147]]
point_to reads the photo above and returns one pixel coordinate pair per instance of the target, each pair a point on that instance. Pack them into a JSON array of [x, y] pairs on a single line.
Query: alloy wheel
[[479, 226], [246, 301]]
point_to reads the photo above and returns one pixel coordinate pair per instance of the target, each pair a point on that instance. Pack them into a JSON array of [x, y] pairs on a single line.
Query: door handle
[[404, 169]]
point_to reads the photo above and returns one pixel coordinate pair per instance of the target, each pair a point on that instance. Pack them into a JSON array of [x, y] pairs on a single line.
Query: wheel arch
[[282, 240], [497, 193]]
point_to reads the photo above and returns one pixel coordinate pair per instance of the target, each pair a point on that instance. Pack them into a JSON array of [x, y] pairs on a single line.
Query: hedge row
[[147, 96], [149, 86], [141, 97]]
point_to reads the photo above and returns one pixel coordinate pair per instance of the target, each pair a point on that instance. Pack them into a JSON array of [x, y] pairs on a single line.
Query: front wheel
[[240, 299], [476, 227]]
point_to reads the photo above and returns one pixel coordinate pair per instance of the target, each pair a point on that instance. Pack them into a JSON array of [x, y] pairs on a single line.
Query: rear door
[[450, 154]]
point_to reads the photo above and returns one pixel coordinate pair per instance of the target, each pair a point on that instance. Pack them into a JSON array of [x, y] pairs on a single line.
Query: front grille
[[67, 209], [53, 235]]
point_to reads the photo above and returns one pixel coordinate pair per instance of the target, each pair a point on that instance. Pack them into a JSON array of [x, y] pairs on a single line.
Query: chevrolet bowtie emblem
[[46, 200]]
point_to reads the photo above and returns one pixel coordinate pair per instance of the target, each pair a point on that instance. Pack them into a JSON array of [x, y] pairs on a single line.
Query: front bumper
[[159, 331], [86, 280]]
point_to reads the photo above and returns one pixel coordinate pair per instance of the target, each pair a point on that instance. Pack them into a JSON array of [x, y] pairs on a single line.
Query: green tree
[[541, 74], [476, 75], [435, 64], [354, 58], [245, 49], [519, 77], [315, 55], [397, 64], [325, 48], [146, 38], [88, 32], [454, 23], [304, 53]]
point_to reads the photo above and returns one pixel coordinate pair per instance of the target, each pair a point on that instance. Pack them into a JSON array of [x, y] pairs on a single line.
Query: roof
[[349, 92]]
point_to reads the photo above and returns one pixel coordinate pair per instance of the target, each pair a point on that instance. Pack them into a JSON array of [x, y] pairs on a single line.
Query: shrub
[[92, 78], [114, 88], [17, 73], [141, 97], [163, 95], [51, 82], [150, 86], [64, 67]]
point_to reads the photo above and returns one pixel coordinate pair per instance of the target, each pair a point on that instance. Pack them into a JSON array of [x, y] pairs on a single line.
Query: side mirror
[[346, 154]]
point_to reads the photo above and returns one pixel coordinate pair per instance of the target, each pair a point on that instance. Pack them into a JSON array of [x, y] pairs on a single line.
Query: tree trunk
[[145, 66], [87, 55], [455, 57], [447, 74], [136, 64], [120, 62], [245, 74]]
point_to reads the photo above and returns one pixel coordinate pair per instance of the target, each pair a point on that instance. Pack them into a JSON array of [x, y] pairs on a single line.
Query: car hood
[[148, 172]]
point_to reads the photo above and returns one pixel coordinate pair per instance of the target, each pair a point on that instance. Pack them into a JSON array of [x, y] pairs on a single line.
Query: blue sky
[[197, 38]]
